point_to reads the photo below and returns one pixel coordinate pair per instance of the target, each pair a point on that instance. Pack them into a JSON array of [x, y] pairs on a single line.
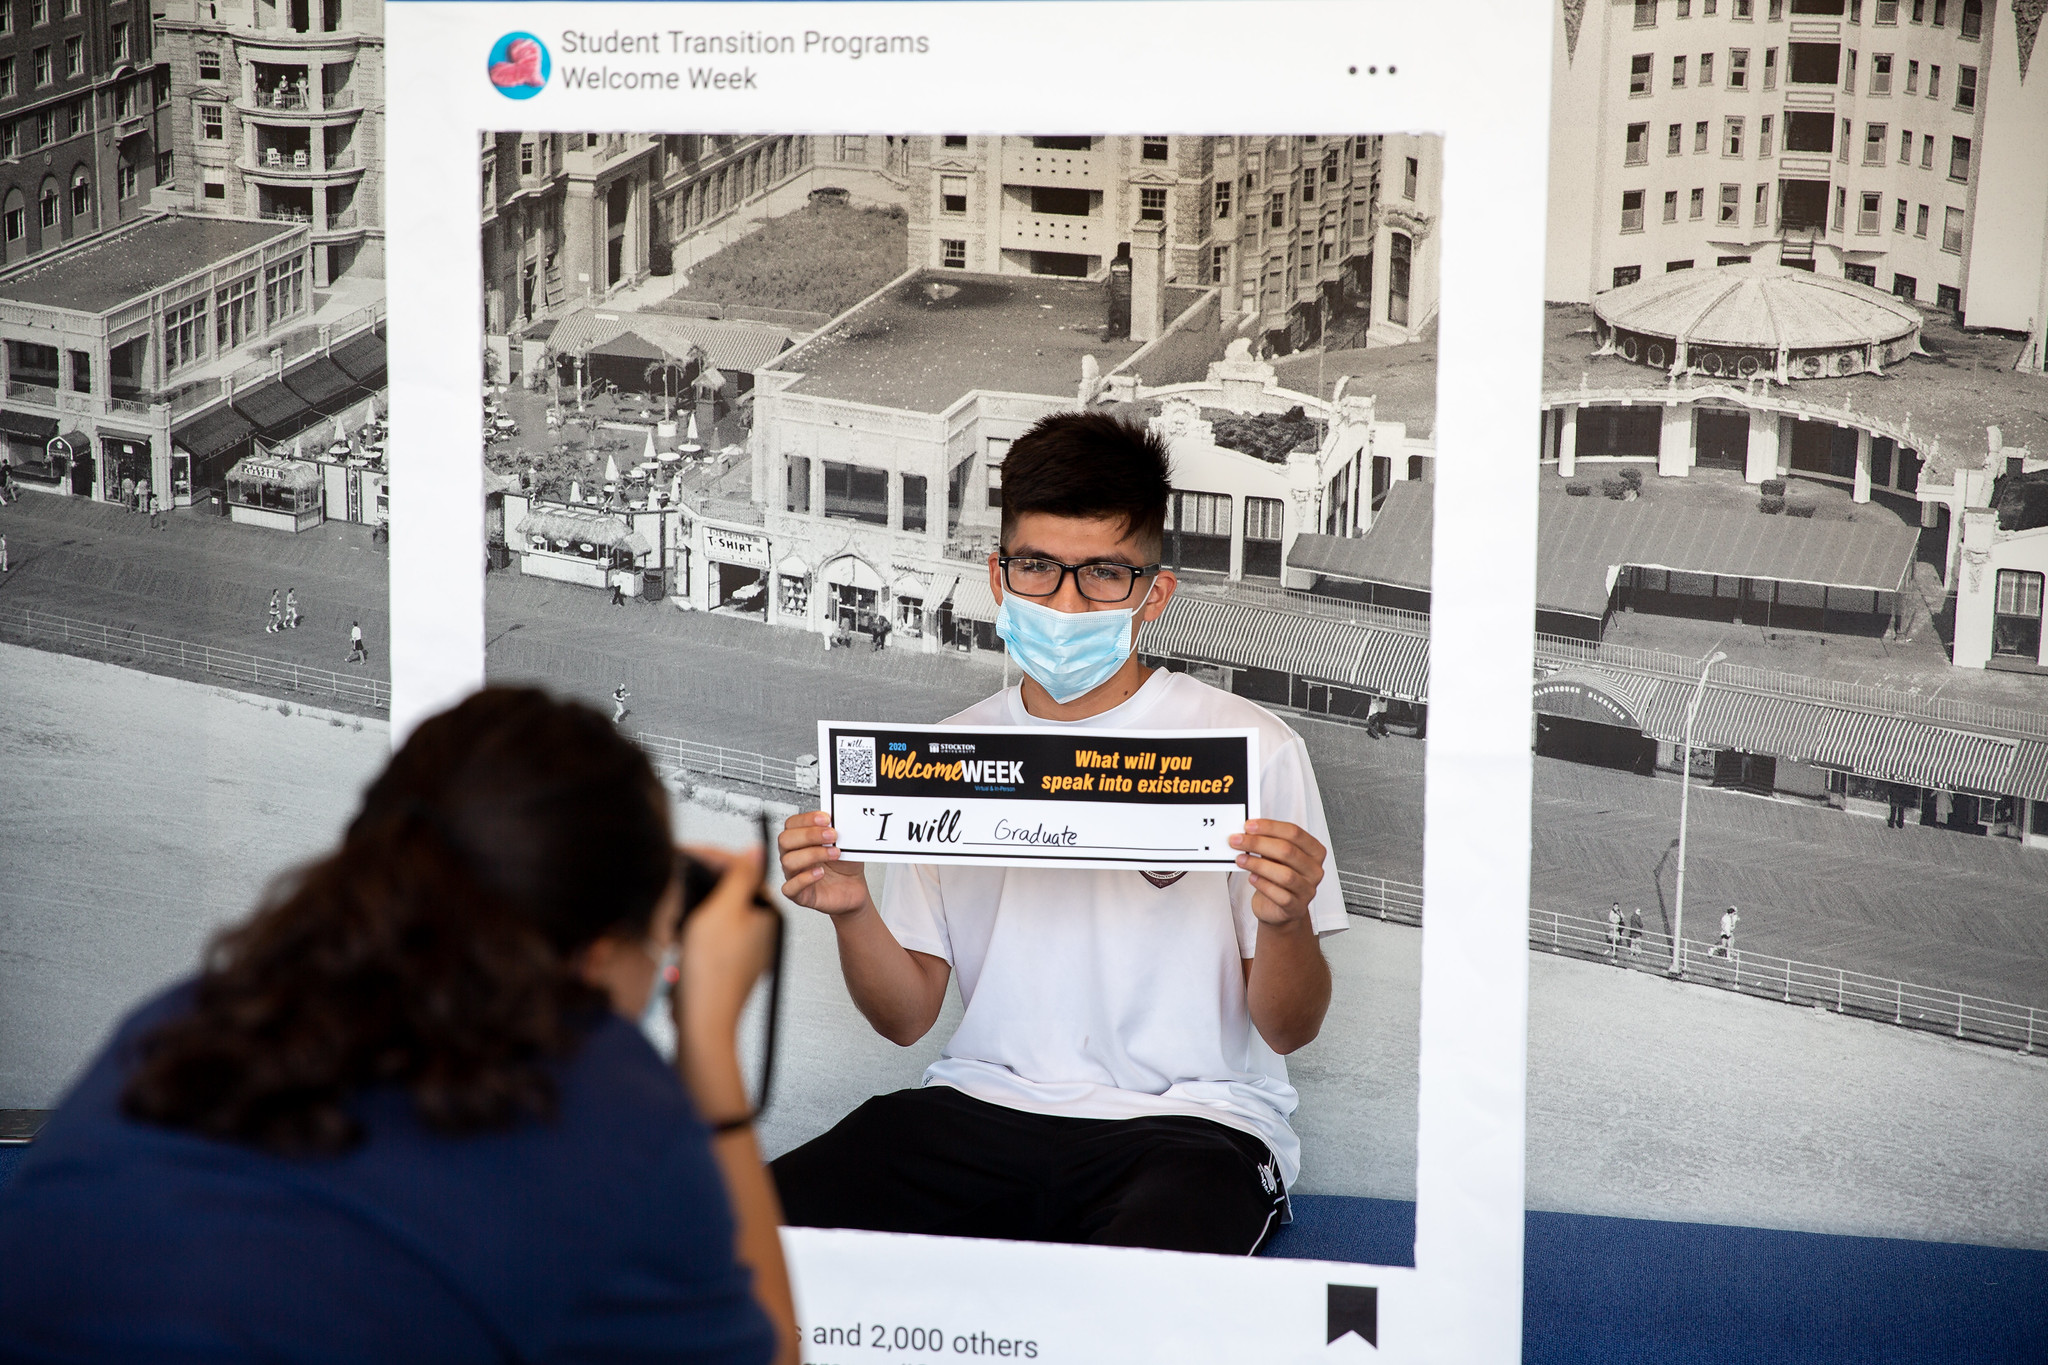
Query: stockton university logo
[[519, 66]]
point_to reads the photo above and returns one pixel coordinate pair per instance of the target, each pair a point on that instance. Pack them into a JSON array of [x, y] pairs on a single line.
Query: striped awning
[[2029, 771], [1888, 748], [973, 600], [221, 429], [610, 532], [1394, 664]]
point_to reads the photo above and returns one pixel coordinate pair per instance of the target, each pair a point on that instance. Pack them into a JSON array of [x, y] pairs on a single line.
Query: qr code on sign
[[856, 760]]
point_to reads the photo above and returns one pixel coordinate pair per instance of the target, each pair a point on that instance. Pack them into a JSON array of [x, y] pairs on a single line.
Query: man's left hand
[[1286, 866]]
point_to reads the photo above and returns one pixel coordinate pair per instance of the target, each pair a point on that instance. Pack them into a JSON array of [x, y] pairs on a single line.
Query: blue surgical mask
[[1071, 653]]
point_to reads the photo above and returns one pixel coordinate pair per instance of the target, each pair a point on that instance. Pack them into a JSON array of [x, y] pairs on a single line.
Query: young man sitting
[[1116, 1077]]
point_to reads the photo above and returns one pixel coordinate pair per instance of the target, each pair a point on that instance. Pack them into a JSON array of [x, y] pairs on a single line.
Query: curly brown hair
[[435, 949]]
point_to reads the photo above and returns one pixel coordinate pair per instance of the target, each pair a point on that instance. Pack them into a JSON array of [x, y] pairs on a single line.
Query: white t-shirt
[[1104, 994]]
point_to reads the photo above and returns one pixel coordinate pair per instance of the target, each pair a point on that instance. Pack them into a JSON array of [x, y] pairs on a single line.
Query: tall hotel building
[[277, 112], [1306, 236], [1894, 143]]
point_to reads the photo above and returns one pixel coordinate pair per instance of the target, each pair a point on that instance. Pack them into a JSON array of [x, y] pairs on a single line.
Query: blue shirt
[[602, 1235]]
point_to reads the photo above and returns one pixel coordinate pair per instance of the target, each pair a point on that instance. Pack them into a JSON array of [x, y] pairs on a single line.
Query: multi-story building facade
[[1893, 143], [1289, 228], [277, 112], [81, 94]]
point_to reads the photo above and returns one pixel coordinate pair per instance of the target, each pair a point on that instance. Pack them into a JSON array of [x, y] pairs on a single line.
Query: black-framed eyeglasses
[[1099, 580]]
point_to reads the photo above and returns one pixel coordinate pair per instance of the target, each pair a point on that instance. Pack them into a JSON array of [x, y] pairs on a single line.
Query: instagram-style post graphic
[[753, 478]]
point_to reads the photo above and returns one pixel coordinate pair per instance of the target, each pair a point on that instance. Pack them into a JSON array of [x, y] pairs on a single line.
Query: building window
[[1959, 158], [1674, 139], [72, 8], [48, 205], [7, 86], [952, 194], [1966, 87], [1678, 73], [1770, 68], [1763, 136], [74, 118], [40, 58], [1637, 145], [953, 140], [213, 124], [1952, 232], [1905, 146], [46, 127], [284, 289], [1887, 12], [1927, 151], [38, 12], [1934, 82], [1841, 207], [120, 36], [1308, 184], [209, 65], [1848, 131], [1264, 519], [1699, 137], [1973, 19], [1631, 210], [1646, 13], [1731, 204], [1627, 274], [1408, 177], [1731, 137], [1899, 220], [124, 101], [2016, 615], [17, 224], [526, 158], [1866, 216], [953, 253], [1940, 13], [1639, 74], [914, 486], [81, 196], [214, 185], [234, 314], [1223, 199], [1738, 68], [1873, 144], [7, 18], [184, 334], [1152, 203], [1276, 210], [856, 493], [1153, 149], [1762, 216], [1849, 73], [1400, 251], [1198, 531], [1219, 263], [1673, 267], [1912, 78], [1671, 206], [125, 178], [1706, 68], [74, 56], [163, 168], [1881, 73], [1699, 204], [1920, 222]]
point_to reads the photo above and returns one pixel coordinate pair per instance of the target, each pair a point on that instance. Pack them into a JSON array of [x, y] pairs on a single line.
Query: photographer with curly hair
[[405, 1113]]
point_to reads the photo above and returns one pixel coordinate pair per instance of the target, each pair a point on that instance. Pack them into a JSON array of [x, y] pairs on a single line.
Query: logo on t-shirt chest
[[1162, 880]]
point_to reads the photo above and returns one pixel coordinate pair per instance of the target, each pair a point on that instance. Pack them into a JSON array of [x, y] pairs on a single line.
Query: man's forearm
[[1288, 990], [895, 989]]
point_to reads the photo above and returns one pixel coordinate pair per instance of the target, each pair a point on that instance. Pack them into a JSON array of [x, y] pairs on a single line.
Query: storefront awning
[[973, 601], [944, 585], [271, 407], [2029, 771], [1394, 664], [27, 426], [793, 567], [1395, 551], [362, 357], [1242, 635], [219, 430], [319, 382], [1588, 694], [295, 474], [909, 585], [73, 442], [609, 532]]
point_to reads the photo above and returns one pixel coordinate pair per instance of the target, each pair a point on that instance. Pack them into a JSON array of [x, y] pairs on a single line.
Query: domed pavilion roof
[[1759, 307]]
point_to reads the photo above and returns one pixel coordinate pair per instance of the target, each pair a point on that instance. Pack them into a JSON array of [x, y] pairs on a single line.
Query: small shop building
[[279, 493]]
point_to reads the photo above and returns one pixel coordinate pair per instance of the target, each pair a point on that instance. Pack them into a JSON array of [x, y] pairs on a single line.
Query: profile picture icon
[[519, 66]]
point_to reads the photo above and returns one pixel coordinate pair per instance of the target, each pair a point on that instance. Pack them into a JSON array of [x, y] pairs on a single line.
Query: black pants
[[941, 1162]]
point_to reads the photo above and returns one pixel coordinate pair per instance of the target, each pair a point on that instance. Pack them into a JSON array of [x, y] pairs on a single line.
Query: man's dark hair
[[1089, 464]]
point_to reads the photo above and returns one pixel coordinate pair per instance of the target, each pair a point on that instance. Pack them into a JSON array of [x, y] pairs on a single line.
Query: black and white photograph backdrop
[[194, 618], [1790, 863]]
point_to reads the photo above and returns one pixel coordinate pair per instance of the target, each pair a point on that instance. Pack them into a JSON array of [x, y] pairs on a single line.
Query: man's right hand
[[817, 877]]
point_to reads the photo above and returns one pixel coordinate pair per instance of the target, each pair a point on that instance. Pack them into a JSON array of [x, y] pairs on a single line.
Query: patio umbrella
[[691, 434], [611, 470], [575, 490], [675, 487], [340, 428], [647, 456]]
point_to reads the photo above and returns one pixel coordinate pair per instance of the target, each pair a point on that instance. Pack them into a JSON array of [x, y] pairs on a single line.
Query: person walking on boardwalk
[[619, 710], [3, 554], [356, 652], [1635, 931], [1614, 931], [291, 609], [1725, 945], [276, 621]]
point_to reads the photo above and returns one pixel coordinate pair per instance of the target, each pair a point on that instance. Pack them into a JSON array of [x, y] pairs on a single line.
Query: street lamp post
[[1692, 712]]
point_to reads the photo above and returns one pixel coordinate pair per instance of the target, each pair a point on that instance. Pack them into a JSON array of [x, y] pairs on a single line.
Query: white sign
[[1014, 796], [747, 548]]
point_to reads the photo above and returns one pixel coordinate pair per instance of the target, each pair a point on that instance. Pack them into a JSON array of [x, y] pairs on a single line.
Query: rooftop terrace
[[1963, 384], [923, 343], [135, 262]]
